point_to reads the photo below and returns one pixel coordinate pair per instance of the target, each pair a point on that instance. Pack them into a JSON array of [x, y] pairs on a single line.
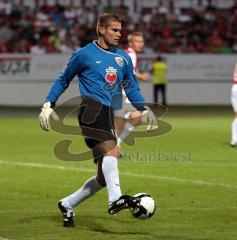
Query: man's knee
[[115, 152], [109, 148]]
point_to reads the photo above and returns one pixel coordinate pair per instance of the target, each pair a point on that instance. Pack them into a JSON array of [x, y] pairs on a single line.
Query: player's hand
[[44, 117], [145, 76], [149, 117], [142, 76]]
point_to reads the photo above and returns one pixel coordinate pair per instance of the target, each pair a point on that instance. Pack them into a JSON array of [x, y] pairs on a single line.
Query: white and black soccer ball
[[146, 207]]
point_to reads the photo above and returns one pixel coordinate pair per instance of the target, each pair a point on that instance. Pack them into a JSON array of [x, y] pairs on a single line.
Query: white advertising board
[[192, 79], [22, 67]]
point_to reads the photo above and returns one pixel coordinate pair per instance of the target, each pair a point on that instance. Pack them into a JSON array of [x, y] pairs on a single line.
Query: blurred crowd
[[43, 28]]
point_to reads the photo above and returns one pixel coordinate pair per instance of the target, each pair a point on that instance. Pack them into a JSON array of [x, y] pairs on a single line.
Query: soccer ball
[[146, 206]]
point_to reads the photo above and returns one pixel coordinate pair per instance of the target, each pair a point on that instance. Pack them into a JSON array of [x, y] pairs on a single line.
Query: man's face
[[112, 33], [137, 43]]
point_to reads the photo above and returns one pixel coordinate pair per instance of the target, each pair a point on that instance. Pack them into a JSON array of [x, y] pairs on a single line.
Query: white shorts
[[127, 108], [234, 97]]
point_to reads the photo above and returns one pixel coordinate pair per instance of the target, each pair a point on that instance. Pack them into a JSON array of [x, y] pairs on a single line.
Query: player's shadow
[[85, 222], [92, 224], [227, 144], [180, 238]]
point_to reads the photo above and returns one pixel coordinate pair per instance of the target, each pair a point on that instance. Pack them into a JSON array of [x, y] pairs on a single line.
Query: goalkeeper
[[101, 69]]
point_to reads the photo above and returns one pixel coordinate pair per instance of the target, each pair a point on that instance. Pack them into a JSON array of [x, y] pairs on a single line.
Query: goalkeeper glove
[[149, 117], [44, 116]]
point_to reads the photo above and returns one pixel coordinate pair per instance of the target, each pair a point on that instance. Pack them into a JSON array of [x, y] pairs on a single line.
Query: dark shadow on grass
[[56, 219], [91, 223], [179, 238], [228, 145]]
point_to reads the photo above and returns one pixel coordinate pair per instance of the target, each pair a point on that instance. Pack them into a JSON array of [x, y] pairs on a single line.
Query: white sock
[[90, 187], [128, 127], [234, 131], [111, 175]]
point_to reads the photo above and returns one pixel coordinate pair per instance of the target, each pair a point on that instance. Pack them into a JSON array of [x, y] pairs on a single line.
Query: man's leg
[[108, 170], [234, 131], [126, 120], [155, 93], [119, 123], [135, 120], [124, 132], [89, 188], [128, 127], [234, 123], [163, 91]]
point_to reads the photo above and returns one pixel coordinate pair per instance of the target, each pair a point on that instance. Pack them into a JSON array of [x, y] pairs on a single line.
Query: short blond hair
[[135, 34]]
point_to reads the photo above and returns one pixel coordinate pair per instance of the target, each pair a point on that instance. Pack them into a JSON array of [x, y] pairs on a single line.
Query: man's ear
[[101, 30]]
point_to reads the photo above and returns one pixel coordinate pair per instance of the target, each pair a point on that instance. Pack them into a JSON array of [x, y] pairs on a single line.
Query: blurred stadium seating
[[183, 26]]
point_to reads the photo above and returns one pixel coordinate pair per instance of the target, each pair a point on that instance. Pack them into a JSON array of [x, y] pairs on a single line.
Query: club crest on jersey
[[119, 61], [111, 75]]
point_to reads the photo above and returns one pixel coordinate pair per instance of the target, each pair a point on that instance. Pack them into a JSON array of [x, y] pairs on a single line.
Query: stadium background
[[52, 27], [193, 177]]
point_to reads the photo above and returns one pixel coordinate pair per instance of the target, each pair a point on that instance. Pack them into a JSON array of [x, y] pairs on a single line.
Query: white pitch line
[[2, 238], [40, 165], [129, 174], [199, 209], [197, 182]]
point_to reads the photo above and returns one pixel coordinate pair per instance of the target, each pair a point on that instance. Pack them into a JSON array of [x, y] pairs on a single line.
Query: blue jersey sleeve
[[63, 80], [132, 88]]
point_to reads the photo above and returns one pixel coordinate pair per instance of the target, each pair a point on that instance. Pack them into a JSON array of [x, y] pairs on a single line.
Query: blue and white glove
[[149, 118], [44, 117]]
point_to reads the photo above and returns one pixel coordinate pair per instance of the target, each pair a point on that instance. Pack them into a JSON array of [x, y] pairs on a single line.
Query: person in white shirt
[[127, 118], [234, 105]]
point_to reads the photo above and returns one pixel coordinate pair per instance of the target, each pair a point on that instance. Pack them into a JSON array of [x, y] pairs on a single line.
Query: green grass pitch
[[194, 181]]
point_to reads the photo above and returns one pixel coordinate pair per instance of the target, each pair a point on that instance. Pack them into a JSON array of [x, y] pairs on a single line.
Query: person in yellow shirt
[[159, 78]]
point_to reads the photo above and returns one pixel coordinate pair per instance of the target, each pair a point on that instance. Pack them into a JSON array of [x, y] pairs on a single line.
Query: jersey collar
[[112, 49]]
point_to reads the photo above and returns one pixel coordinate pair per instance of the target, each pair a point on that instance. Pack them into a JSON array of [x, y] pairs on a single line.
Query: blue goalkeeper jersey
[[102, 74]]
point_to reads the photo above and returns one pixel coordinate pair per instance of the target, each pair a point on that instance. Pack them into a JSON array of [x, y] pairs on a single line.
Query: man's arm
[[59, 86], [63, 80], [142, 76], [136, 98]]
